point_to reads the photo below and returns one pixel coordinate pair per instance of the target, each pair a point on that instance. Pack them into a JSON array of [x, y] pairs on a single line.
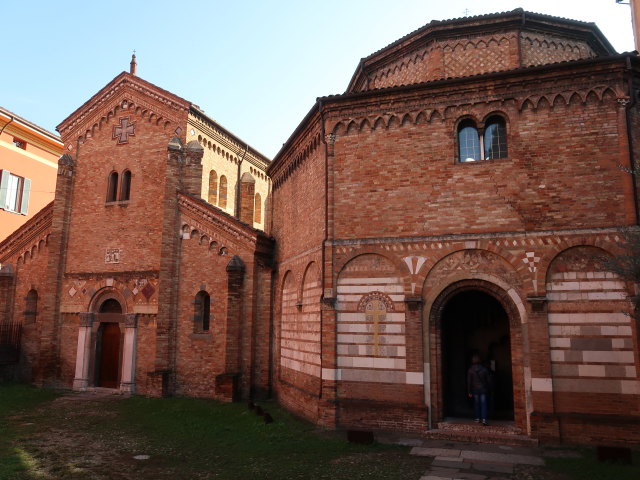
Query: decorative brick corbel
[[413, 303], [538, 304]]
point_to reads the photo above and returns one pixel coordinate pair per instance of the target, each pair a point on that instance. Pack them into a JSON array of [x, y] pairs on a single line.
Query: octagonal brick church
[[461, 197]]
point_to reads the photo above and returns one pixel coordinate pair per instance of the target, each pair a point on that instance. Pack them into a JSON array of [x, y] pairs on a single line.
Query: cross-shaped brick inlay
[[376, 312], [122, 131]]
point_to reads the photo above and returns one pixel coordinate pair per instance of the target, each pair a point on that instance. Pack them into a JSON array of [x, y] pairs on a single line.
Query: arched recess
[[257, 211], [104, 294], [31, 307], [301, 326], [222, 194], [591, 333], [487, 298], [371, 322], [212, 197], [289, 329]]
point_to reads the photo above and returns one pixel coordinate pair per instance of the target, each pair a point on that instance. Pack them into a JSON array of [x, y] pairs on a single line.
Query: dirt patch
[[72, 438]]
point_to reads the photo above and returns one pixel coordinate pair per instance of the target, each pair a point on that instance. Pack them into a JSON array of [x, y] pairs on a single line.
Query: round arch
[[105, 294], [434, 313]]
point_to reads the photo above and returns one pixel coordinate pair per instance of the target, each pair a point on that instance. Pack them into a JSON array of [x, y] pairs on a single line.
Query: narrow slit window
[[213, 187], [202, 312], [112, 187], [125, 187], [222, 197]]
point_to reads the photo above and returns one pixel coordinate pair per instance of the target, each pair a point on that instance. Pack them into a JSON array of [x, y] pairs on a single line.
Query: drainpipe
[[632, 162], [326, 226], [237, 205], [5, 125]]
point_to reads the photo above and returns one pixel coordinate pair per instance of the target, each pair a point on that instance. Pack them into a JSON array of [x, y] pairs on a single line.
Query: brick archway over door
[[435, 317]]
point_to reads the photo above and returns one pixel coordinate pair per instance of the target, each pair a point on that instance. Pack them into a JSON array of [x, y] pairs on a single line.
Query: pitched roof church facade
[[457, 199]]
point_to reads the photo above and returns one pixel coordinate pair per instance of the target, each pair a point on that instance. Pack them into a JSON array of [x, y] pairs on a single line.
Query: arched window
[[222, 197], [112, 188], [495, 138], [202, 312], [257, 210], [468, 142], [31, 307], [213, 187], [489, 145], [125, 186]]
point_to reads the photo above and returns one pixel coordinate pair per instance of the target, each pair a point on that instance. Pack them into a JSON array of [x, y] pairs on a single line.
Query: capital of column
[[86, 319], [131, 320]]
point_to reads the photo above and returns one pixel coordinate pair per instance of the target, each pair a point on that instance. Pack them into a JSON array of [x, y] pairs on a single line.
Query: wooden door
[[109, 355]]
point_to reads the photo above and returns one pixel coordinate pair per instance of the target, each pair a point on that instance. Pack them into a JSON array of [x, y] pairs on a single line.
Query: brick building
[[458, 198]]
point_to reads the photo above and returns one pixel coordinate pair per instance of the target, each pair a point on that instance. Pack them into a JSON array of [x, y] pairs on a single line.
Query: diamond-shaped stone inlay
[[135, 290], [72, 291], [148, 290]]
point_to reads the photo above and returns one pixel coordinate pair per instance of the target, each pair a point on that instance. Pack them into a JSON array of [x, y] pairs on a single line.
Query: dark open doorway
[[108, 347], [475, 322]]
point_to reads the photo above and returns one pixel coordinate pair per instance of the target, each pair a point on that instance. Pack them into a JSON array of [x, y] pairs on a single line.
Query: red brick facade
[[392, 258], [407, 235]]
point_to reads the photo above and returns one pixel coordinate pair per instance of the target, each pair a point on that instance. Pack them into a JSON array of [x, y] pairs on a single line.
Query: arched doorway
[[108, 346], [475, 322]]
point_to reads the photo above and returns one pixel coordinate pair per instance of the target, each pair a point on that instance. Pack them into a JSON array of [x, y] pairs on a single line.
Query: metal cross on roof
[[122, 131]]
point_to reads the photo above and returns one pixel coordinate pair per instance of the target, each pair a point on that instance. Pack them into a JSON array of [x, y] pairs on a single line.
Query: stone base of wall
[[585, 429], [359, 414], [299, 402], [227, 387]]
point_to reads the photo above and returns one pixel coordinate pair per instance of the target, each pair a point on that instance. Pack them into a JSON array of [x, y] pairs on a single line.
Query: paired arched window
[[222, 197], [202, 312], [112, 188], [486, 144], [125, 187], [213, 187], [257, 210], [31, 307]]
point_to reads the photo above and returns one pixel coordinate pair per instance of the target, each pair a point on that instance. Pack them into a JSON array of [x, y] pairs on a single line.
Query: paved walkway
[[474, 461]]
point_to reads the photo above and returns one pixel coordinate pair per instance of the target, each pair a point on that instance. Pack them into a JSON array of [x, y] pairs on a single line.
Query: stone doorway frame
[[87, 339], [433, 352]]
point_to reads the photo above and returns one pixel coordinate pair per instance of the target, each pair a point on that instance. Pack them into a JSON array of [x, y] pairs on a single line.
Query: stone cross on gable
[[122, 131]]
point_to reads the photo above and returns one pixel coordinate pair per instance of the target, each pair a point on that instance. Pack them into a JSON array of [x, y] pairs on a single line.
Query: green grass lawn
[[15, 399], [589, 468], [56, 435], [184, 438]]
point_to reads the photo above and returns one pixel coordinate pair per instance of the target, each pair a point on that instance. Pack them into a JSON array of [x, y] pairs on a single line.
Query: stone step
[[475, 433], [499, 427]]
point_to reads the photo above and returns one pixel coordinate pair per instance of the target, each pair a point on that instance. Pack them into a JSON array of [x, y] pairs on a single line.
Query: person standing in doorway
[[478, 385]]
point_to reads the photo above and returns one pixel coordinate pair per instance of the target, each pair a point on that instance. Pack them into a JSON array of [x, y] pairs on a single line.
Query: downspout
[[326, 230], [237, 205], [5, 125], [632, 162]]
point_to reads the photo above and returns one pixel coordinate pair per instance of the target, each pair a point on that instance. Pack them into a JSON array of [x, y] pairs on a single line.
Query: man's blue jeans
[[480, 405]]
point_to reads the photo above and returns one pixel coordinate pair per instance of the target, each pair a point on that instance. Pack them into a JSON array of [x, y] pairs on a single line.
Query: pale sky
[[256, 67]]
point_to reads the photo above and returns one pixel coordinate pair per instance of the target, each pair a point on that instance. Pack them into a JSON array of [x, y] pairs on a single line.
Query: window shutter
[[4, 187], [24, 203]]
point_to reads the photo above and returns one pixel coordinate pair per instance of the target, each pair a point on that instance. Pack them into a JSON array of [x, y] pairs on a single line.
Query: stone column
[[83, 354], [128, 378]]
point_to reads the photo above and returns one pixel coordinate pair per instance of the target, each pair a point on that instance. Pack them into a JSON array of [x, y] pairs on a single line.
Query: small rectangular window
[[14, 192], [19, 143]]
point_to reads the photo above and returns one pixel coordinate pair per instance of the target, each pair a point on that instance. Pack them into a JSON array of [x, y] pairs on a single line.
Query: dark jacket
[[478, 380]]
